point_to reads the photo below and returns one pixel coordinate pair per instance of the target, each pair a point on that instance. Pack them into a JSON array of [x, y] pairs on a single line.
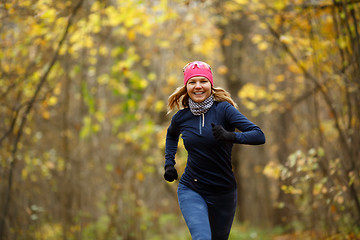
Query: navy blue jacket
[[208, 169]]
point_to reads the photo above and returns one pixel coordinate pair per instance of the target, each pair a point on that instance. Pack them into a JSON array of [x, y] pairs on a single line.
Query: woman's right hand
[[170, 173]]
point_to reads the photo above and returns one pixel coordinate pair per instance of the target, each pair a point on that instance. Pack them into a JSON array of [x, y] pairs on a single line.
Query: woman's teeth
[[198, 93]]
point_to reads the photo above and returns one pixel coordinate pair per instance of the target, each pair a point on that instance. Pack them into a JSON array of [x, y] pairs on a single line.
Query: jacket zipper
[[202, 122]]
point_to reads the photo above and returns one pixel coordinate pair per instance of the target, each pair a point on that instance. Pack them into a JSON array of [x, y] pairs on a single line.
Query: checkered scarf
[[202, 107]]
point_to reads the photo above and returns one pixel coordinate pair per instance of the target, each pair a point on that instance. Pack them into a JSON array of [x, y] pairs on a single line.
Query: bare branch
[[317, 84]]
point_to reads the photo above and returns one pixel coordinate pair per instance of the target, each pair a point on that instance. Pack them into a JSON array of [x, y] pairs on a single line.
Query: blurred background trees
[[83, 94]]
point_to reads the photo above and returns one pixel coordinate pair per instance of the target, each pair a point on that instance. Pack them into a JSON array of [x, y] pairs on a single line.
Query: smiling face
[[198, 88]]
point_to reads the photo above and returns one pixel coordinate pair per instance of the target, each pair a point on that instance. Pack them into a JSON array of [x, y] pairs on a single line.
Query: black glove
[[221, 134], [170, 173]]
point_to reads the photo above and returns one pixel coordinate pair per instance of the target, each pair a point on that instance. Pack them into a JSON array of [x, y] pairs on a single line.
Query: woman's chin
[[198, 98]]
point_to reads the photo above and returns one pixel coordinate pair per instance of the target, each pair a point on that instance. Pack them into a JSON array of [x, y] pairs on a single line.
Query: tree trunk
[[248, 162]]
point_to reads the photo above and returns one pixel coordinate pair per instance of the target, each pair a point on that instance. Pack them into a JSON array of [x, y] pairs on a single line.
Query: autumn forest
[[84, 86]]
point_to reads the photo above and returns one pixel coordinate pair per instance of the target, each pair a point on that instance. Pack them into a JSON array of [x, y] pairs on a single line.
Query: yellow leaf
[[46, 115], [280, 78], [252, 91], [49, 15], [96, 127], [25, 3], [272, 170], [146, 63], [232, 6], [159, 106], [131, 35], [57, 89], [103, 79], [226, 42], [92, 60], [24, 173], [279, 5], [294, 68], [143, 84], [140, 176], [272, 87], [151, 76], [250, 105], [286, 39], [164, 44], [263, 46], [131, 104], [95, 7], [242, 2], [6, 66], [113, 16], [52, 101], [256, 38], [222, 70], [342, 42], [103, 51], [88, 42], [99, 116], [238, 37]]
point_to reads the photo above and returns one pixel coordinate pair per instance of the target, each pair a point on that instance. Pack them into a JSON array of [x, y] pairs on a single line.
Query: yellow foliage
[[160, 106], [151, 76], [222, 70], [291, 189], [49, 231], [279, 5], [242, 2], [226, 42], [287, 39], [250, 105], [100, 117], [238, 37], [272, 170], [280, 78], [252, 91], [294, 68], [113, 17], [164, 44], [103, 79], [49, 15], [262, 46], [232, 6], [52, 101], [140, 176], [143, 83], [95, 7], [45, 115], [131, 35], [24, 3], [24, 173], [257, 38], [208, 45]]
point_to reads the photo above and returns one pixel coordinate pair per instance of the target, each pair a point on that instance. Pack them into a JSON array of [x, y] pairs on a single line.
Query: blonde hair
[[180, 98]]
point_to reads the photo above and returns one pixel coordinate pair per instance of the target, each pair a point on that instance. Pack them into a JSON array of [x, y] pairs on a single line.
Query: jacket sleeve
[[172, 140], [249, 132]]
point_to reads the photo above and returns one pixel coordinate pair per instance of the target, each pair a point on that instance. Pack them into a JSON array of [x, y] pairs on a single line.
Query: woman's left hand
[[221, 134]]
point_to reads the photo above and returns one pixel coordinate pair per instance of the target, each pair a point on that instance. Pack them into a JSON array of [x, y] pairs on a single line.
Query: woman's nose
[[197, 85]]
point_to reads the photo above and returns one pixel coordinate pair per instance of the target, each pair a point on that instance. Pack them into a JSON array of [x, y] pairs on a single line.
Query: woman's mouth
[[198, 93]]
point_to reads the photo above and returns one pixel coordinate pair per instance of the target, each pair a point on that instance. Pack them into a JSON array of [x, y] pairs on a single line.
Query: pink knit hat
[[197, 68]]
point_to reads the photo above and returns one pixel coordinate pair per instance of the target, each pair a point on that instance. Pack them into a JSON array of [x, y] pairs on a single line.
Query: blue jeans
[[207, 217]]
